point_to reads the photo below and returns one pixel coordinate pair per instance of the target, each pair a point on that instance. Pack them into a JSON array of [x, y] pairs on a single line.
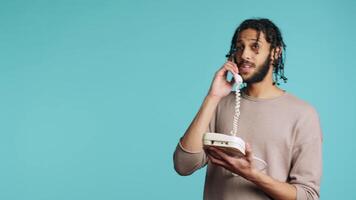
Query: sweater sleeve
[[187, 162], [306, 168]]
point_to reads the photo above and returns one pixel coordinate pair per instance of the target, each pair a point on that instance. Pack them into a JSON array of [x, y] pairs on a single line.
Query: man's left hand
[[241, 166]]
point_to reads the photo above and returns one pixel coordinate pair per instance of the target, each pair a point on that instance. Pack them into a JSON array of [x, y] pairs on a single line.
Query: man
[[278, 127]]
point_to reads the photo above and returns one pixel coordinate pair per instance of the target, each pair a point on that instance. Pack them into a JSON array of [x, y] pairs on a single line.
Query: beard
[[260, 73]]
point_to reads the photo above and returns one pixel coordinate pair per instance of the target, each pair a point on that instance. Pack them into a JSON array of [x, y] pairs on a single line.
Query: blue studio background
[[96, 94]]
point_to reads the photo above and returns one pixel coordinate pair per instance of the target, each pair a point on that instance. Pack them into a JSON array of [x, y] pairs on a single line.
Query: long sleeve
[[306, 167], [187, 162]]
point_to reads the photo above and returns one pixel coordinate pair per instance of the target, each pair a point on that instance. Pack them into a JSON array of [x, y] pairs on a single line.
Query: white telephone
[[231, 144]]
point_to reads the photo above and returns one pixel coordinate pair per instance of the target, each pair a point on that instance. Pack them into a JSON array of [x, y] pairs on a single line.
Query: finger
[[232, 69], [233, 63], [248, 151], [233, 66], [225, 68], [218, 162], [223, 155], [222, 71]]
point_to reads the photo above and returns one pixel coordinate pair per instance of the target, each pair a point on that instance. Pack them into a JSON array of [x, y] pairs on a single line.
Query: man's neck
[[263, 90]]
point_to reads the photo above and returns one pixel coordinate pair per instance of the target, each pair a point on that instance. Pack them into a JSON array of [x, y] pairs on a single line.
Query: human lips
[[245, 68]]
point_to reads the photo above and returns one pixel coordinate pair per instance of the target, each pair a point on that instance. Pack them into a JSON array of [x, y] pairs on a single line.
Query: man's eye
[[255, 46], [239, 48]]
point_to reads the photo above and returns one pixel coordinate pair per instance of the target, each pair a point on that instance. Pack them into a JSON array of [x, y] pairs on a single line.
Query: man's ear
[[276, 53]]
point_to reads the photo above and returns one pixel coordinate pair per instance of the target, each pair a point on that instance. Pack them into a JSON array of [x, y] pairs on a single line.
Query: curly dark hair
[[273, 36]]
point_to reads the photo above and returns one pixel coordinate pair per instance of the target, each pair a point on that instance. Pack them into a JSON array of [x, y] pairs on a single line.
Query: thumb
[[248, 152]]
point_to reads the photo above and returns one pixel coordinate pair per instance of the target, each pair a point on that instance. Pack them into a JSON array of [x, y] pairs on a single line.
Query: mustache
[[244, 62]]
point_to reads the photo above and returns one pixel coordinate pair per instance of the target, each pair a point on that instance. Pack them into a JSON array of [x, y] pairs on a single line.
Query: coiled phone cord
[[233, 132]]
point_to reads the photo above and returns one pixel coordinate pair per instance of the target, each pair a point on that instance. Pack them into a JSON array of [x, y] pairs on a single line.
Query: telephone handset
[[231, 144]]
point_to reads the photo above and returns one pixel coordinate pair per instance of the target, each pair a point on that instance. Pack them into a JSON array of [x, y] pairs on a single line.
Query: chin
[[245, 76]]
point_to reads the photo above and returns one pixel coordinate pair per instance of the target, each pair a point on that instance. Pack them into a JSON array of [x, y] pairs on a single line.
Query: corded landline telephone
[[231, 144]]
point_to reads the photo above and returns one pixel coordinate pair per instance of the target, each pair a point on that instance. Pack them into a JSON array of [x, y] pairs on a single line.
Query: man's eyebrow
[[259, 41]]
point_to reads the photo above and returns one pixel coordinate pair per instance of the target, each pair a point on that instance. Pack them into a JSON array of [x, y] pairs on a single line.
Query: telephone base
[[232, 145]]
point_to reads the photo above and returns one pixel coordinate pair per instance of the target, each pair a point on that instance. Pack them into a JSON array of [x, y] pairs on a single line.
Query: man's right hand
[[220, 87]]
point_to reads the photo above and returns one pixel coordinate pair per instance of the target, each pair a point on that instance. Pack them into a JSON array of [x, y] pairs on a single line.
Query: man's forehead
[[251, 35]]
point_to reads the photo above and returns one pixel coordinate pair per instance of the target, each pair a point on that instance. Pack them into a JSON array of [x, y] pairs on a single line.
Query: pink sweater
[[283, 131]]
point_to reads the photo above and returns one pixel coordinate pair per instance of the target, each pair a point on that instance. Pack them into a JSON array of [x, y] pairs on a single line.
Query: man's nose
[[246, 54]]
